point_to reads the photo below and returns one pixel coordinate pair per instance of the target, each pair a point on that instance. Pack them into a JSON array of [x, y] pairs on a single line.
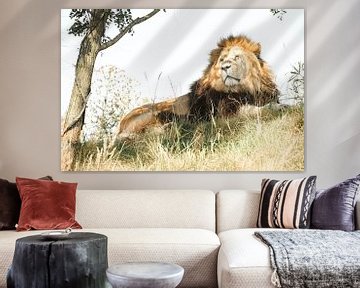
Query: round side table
[[145, 275], [80, 261]]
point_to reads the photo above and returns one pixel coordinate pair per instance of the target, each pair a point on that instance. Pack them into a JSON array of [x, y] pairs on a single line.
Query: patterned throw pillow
[[286, 204]]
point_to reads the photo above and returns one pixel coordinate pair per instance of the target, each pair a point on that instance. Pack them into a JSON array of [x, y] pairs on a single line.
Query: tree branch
[[127, 29]]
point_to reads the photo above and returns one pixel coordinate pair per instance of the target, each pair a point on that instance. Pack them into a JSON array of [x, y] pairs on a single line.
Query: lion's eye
[[237, 57], [221, 59]]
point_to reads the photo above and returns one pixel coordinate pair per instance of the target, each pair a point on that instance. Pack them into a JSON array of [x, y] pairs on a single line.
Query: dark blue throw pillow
[[334, 208]]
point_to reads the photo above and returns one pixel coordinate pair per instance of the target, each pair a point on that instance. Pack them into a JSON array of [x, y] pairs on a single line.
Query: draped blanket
[[313, 258]]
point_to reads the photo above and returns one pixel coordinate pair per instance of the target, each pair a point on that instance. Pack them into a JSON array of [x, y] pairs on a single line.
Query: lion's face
[[232, 66], [236, 66], [236, 70]]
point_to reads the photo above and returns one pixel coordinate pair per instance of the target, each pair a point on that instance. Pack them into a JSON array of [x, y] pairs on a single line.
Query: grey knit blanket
[[313, 258]]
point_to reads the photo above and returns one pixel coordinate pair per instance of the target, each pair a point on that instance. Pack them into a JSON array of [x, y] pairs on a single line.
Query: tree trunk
[[89, 48], [75, 115], [78, 261]]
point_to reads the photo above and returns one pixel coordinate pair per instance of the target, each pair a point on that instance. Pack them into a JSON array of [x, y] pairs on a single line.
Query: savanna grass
[[265, 139]]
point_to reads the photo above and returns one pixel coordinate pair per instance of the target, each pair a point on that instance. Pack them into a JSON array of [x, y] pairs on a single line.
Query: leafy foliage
[[82, 20], [121, 17], [279, 13], [114, 94], [296, 83]]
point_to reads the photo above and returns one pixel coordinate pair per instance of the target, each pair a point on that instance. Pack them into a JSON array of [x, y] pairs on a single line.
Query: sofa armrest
[[357, 215]]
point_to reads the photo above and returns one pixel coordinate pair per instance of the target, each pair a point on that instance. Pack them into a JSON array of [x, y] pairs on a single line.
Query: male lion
[[236, 75]]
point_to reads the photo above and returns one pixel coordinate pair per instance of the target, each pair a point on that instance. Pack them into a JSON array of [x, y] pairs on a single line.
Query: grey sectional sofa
[[209, 234]]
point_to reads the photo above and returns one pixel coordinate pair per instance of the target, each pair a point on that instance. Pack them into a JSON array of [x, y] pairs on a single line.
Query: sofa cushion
[[153, 209], [286, 204], [196, 250], [244, 261], [236, 209], [334, 208], [46, 204], [10, 204]]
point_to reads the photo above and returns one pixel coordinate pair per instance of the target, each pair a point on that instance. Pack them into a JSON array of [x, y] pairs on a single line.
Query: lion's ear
[[257, 50], [214, 55]]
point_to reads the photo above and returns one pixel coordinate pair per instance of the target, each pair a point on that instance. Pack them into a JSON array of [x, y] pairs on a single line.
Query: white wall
[[30, 95]]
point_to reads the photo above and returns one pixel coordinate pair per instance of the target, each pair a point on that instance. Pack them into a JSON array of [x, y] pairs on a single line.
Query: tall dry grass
[[265, 139]]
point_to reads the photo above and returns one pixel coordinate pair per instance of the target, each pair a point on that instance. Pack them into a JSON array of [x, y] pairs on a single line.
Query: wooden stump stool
[[78, 261]]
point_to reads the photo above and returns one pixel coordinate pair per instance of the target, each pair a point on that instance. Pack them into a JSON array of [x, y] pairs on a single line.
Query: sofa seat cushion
[[244, 261], [7, 247], [196, 250]]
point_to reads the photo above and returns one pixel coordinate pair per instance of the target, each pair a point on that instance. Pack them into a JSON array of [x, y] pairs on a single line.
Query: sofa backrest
[[146, 209], [239, 209], [236, 209]]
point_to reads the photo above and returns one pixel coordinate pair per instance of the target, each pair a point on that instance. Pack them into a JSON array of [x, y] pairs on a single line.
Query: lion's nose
[[225, 66]]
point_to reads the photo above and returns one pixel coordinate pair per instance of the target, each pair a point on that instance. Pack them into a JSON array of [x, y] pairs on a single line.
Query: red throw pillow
[[10, 204], [46, 204]]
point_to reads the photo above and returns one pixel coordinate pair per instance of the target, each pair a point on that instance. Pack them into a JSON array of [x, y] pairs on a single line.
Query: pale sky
[[176, 44]]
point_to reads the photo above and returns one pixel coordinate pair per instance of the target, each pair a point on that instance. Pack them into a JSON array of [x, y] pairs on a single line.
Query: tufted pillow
[[334, 208], [46, 204], [286, 204], [10, 204]]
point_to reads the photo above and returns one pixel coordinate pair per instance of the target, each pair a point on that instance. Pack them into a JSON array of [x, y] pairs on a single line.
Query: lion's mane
[[210, 97]]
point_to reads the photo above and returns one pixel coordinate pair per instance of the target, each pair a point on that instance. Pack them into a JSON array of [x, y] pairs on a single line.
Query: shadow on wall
[[167, 44], [336, 72], [43, 12]]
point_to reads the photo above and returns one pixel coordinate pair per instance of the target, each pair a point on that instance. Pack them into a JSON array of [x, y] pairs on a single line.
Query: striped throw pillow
[[286, 204]]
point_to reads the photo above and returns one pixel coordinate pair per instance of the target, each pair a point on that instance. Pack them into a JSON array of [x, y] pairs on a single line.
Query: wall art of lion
[[236, 75]]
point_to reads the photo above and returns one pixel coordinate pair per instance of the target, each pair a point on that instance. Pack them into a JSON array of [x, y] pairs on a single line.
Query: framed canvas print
[[182, 90]]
